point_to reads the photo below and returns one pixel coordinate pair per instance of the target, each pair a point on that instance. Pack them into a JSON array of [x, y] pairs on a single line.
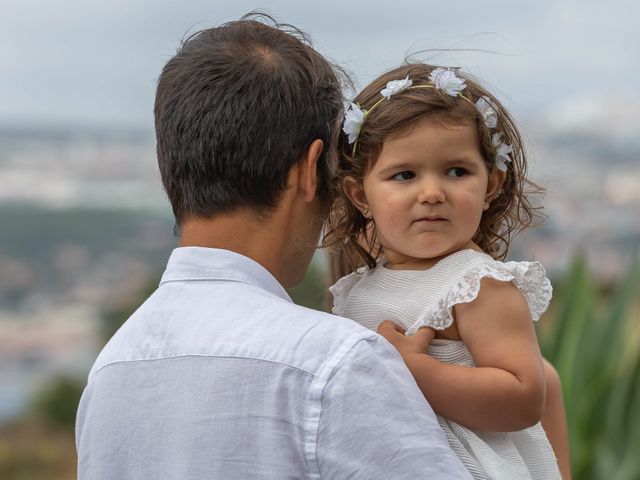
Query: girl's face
[[426, 193]]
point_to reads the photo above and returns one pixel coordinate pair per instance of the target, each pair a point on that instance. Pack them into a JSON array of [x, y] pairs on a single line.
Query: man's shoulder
[[314, 340], [339, 325], [259, 326]]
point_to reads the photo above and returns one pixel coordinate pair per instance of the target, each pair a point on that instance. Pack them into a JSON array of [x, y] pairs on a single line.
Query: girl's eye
[[404, 176], [456, 172]]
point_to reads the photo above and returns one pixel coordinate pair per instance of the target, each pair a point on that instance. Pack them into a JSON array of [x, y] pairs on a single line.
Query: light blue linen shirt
[[218, 375]]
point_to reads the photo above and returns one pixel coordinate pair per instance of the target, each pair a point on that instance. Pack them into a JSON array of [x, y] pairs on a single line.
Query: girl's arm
[[506, 389], [554, 420]]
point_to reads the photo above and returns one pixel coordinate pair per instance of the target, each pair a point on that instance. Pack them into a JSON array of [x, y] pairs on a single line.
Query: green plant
[[58, 401], [589, 343], [312, 291]]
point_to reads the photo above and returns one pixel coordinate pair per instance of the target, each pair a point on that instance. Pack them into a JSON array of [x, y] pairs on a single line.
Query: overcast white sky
[[95, 62]]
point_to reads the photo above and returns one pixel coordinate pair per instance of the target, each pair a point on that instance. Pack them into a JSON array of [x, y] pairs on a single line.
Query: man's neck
[[241, 232]]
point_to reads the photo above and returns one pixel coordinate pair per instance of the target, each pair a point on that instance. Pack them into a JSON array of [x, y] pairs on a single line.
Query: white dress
[[416, 298]]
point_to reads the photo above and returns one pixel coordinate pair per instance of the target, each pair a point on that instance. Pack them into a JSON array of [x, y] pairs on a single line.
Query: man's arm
[[375, 422]]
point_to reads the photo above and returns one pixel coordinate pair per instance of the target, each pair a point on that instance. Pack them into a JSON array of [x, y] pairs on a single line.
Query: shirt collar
[[200, 263]]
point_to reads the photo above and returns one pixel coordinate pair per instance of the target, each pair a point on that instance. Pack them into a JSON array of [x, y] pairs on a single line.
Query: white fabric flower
[[446, 80], [353, 119], [396, 86], [488, 113], [502, 152]]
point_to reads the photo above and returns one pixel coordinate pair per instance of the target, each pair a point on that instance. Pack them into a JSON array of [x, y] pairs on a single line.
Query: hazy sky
[[96, 62]]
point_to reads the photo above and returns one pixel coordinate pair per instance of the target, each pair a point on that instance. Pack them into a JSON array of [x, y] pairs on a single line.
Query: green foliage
[[589, 343], [33, 233], [58, 401], [312, 292]]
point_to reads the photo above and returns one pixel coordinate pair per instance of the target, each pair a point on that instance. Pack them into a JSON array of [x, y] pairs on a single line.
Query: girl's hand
[[395, 335]]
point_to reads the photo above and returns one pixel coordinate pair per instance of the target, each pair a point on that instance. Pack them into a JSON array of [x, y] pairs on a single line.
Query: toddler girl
[[433, 188]]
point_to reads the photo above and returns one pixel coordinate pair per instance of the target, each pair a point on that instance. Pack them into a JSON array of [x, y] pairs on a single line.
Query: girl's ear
[[494, 185], [354, 191]]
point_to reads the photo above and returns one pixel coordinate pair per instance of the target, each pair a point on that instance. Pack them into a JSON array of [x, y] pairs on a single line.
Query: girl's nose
[[431, 191]]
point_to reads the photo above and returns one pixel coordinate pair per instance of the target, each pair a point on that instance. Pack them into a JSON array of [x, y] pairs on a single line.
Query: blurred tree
[[57, 403]]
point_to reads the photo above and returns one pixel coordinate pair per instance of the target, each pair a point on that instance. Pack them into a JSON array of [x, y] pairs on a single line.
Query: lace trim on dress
[[340, 291], [529, 277]]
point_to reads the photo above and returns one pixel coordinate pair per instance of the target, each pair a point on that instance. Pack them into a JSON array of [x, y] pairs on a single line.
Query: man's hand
[[395, 335]]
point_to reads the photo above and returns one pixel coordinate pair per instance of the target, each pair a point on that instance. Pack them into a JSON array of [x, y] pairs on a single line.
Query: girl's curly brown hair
[[509, 213]]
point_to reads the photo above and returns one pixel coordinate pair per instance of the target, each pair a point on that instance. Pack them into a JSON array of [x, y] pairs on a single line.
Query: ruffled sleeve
[[340, 291], [529, 277]]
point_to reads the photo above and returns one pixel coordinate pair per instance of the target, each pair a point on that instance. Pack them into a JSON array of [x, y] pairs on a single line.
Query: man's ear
[[494, 184], [308, 170], [354, 191]]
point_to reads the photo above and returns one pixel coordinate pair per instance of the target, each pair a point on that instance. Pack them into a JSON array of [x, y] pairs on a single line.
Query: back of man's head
[[235, 109]]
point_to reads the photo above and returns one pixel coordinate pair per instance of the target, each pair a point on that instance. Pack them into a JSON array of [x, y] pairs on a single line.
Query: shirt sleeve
[[375, 422]]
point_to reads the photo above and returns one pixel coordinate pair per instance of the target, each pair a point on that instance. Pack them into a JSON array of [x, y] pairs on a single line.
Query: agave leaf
[[600, 371], [556, 332]]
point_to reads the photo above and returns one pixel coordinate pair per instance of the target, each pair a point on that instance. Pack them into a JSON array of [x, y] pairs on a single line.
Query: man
[[218, 374]]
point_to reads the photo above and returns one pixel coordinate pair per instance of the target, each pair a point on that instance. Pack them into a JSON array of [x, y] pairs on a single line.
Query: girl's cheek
[[396, 221]]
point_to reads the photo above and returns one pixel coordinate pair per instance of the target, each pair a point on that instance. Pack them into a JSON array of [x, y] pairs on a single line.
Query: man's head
[[235, 110]]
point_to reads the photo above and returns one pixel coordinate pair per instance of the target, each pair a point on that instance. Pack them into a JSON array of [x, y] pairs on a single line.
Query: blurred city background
[[85, 229]]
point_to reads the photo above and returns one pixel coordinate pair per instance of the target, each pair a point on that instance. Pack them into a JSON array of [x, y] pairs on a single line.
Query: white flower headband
[[442, 79]]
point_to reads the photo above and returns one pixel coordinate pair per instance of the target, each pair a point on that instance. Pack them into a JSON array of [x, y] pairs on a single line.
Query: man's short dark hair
[[235, 109]]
